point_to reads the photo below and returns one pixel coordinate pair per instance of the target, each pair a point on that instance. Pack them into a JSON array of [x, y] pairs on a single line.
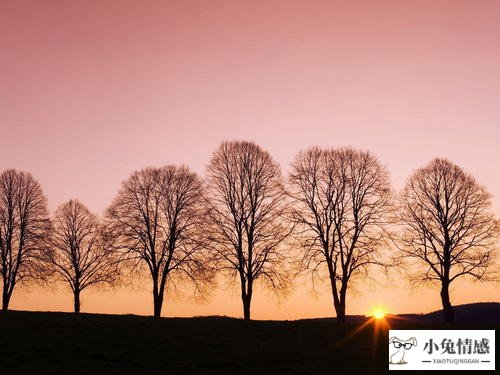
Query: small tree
[[80, 253], [248, 220], [24, 224], [157, 222], [340, 205], [448, 228]]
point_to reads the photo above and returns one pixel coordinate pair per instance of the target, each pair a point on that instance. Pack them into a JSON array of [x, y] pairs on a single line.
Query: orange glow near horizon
[[92, 91], [378, 313]]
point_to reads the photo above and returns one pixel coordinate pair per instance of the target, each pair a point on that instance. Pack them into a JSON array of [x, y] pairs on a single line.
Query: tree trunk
[[449, 314], [157, 298], [157, 307], [338, 301], [246, 297], [77, 301], [157, 302], [5, 299], [247, 300], [340, 310]]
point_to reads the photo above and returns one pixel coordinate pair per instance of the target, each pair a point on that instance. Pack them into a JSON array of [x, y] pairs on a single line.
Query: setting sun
[[378, 313]]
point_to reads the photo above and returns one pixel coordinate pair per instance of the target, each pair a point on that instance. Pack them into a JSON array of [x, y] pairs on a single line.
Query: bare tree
[[247, 212], [157, 219], [24, 224], [80, 253], [341, 201], [448, 228]]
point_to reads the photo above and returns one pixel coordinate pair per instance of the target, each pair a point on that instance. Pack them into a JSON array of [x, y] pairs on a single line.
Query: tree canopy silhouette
[[247, 215], [340, 204], [24, 225], [448, 228], [80, 253], [157, 222]]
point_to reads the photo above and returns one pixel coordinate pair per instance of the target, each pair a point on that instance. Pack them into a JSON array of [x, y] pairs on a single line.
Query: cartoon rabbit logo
[[398, 348]]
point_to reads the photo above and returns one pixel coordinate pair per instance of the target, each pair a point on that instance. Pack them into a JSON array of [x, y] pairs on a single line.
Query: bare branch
[[24, 225], [341, 204], [448, 230], [247, 215], [80, 252], [157, 223]]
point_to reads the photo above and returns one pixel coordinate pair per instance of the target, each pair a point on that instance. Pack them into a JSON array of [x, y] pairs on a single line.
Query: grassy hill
[[484, 312], [60, 343]]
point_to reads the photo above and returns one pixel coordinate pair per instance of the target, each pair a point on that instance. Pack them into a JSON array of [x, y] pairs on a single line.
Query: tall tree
[[247, 201], [157, 220], [340, 204], [80, 254], [24, 224], [448, 228]]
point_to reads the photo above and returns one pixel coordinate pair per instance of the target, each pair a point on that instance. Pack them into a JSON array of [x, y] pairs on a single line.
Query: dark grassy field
[[60, 343]]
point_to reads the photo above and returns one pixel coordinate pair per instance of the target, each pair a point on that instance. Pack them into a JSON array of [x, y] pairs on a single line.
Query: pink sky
[[92, 90]]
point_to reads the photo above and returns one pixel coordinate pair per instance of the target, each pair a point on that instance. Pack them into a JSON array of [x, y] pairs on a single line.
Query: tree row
[[334, 217]]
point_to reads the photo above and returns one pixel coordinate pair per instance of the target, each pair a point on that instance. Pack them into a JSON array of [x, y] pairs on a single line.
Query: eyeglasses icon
[[398, 345]]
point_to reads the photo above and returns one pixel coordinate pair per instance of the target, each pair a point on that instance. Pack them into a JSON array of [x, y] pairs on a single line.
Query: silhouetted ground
[[60, 343], [484, 312]]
